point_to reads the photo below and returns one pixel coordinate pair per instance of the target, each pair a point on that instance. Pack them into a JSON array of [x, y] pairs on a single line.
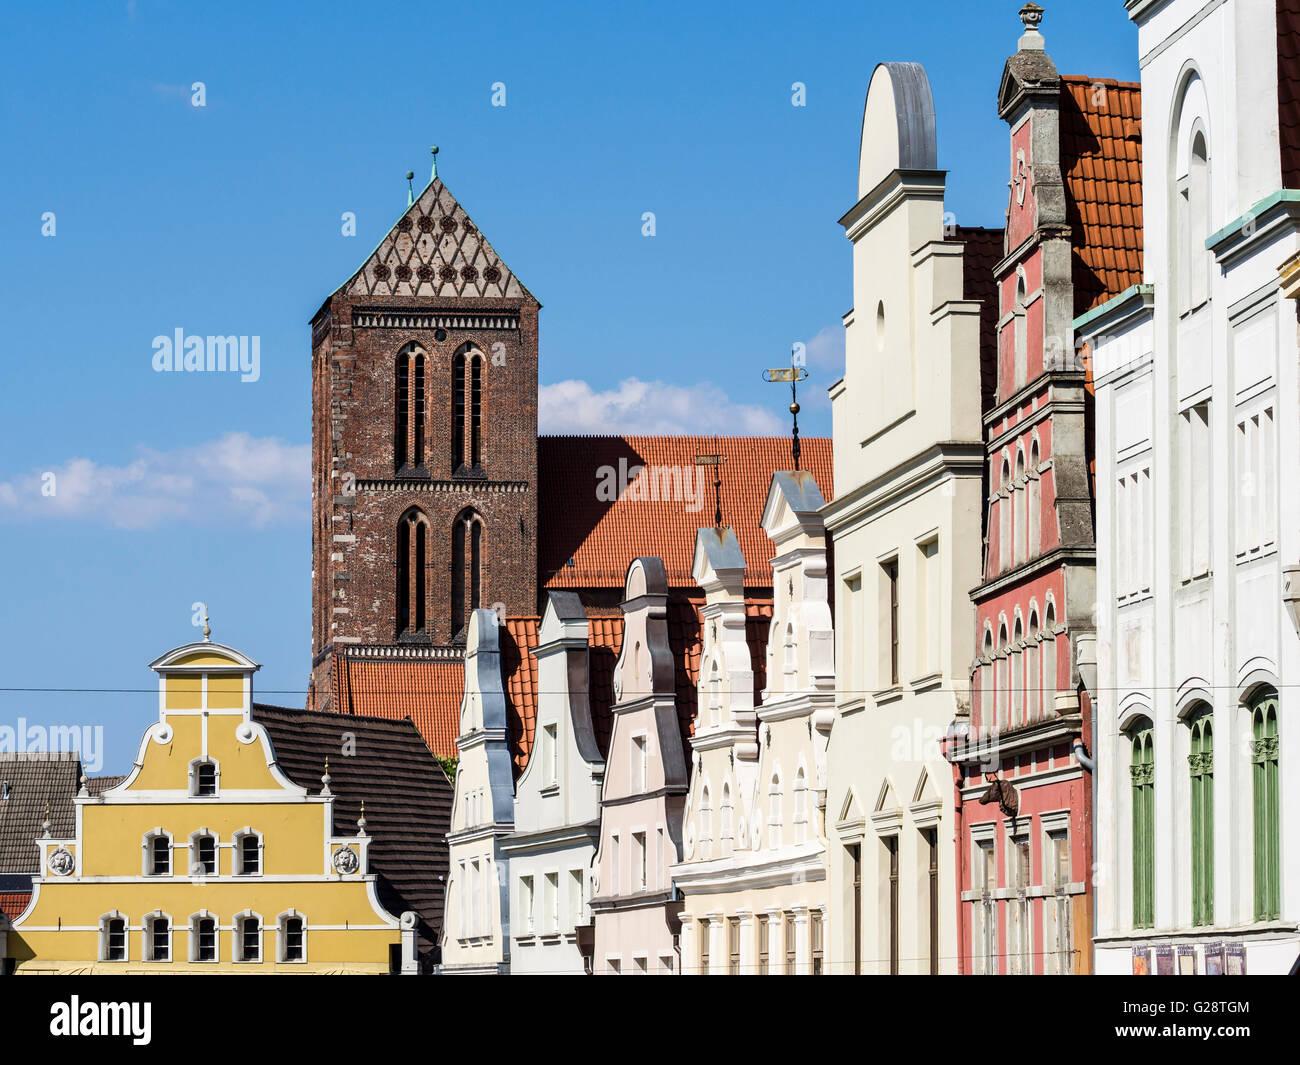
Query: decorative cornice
[[415, 484], [399, 318]]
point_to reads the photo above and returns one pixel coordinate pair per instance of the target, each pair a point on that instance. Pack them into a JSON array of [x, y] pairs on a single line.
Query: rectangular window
[[791, 946], [576, 900], [855, 863], [206, 857], [207, 779], [930, 837], [293, 939], [704, 947], [476, 890], [462, 883], [249, 855], [115, 940], [250, 940], [891, 575], [160, 853], [818, 946], [891, 850], [1018, 907], [1061, 958], [733, 946], [526, 919], [206, 932], [764, 945], [551, 902], [160, 940], [639, 859], [986, 884]]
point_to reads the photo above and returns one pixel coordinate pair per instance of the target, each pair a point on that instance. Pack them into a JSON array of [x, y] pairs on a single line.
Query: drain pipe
[[1085, 650], [1085, 759]]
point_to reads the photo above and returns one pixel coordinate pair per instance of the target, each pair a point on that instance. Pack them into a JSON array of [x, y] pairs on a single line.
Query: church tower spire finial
[[410, 189], [433, 150]]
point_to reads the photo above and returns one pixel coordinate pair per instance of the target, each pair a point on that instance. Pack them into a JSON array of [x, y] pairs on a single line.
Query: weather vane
[[794, 375], [716, 462]]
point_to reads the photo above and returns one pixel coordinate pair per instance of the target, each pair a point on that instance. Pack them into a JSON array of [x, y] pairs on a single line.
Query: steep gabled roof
[[435, 250], [36, 780], [1101, 161], [406, 794], [602, 535]]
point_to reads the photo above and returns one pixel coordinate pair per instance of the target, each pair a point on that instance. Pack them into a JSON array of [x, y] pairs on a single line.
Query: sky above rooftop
[[229, 218]]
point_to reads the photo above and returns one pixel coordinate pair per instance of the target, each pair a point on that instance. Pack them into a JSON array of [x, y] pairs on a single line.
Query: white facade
[[557, 802], [1197, 419], [476, 917], [907, 528]]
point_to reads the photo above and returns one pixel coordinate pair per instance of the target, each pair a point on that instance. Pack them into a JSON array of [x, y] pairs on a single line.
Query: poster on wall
[[1213, 959], [1186, 961], [1164, 961], [1141, 961], [1236, 959]]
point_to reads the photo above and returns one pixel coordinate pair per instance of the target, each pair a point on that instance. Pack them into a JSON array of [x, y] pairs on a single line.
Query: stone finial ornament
[[207, 629], [325, 779], [1032, 40]]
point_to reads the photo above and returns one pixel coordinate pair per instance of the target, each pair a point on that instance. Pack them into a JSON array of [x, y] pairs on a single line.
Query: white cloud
[[825, 352], [646, 407], [235, 479]]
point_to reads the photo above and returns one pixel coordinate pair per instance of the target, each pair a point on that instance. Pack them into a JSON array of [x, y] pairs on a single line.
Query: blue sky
[[172, 489]]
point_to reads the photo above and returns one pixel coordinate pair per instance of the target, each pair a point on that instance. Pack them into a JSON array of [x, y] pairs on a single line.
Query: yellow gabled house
[[207, 857]]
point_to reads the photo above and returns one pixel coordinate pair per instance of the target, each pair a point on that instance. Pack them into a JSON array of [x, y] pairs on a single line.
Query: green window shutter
[[1142, 772], [1201, 765], [1264, 784]]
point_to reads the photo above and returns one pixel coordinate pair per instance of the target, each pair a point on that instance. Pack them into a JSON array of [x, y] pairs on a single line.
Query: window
[[1048, 647], [1265, 795], [467, 375], [704, 929], [157, 937], [203, 938], [466, 567], [791, 946], [549, 755], [818, 944], [248, 852], [800, 806], [1004, 517], [1060, 959], [527, 923], [986, 884], [1200, 761], [462, 883], [639, 765], [1256, 493], [551, 902], [1019, 333], [764, 945], [1017, 666], [408, 421], [930, 838], [112, 938], [733, 946], [891, 577], [855, 863], [1142, 777], [476, 890], [203, 780], [203, 855], [1018, 911], [1034, 502], [412, 561], [1034, 670], [576, 898], [640, 965], [988, 693], [727, 834], [248, 938], [706, 824], [1194, 226], [774, 813], [158, 854], [1018, 510], [293, 941], [639, 860], [458, 412], [891, 852], [1002, 669], [1195, 471]]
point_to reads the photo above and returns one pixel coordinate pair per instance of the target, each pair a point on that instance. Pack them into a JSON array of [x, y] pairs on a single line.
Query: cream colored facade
[[754, 874], [907, 531], [476, 920], [207, 858]]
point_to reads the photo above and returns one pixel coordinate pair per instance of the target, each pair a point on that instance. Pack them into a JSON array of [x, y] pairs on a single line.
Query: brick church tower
[[424, 445]]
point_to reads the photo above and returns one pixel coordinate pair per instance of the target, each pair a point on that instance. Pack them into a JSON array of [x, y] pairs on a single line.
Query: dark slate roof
[[1288, 90], [983, 251], [99, 785], [406, 792], [35, 780]]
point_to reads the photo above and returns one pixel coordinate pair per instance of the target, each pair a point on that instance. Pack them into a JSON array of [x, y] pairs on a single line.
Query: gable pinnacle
[[410, 189], [433, 174], [1032, 40]]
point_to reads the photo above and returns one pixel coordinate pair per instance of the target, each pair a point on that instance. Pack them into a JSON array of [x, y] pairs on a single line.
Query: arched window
[[1265, 795], [158, 853], [774, 817], [408, 421], [727, 833], [1034, 670], [157, 937], [247, 937], [291, 937], [1004, 518], [988, 690], [112, 937], [1020, 510], [203, 777], [1194, 224], [1142, 801], [1200, 761], [1001, 680], [715, 694], [203, 853], [1049, 660], [248, 852], [467, 410], [1034, 503], [1020, 332], [1017, 677], [800, 806], [203, 937], [412, 560], [706, 824], [466, 567]]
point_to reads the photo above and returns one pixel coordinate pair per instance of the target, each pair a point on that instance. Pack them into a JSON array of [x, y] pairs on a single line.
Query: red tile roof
[[1101, 160], [426, 692], [12, 903], [603, 536], [520, 668], [1288, 90]]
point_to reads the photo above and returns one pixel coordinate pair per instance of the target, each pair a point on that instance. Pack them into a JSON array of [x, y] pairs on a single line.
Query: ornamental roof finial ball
[[1031, 15], [794, 408], [433, 150]]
